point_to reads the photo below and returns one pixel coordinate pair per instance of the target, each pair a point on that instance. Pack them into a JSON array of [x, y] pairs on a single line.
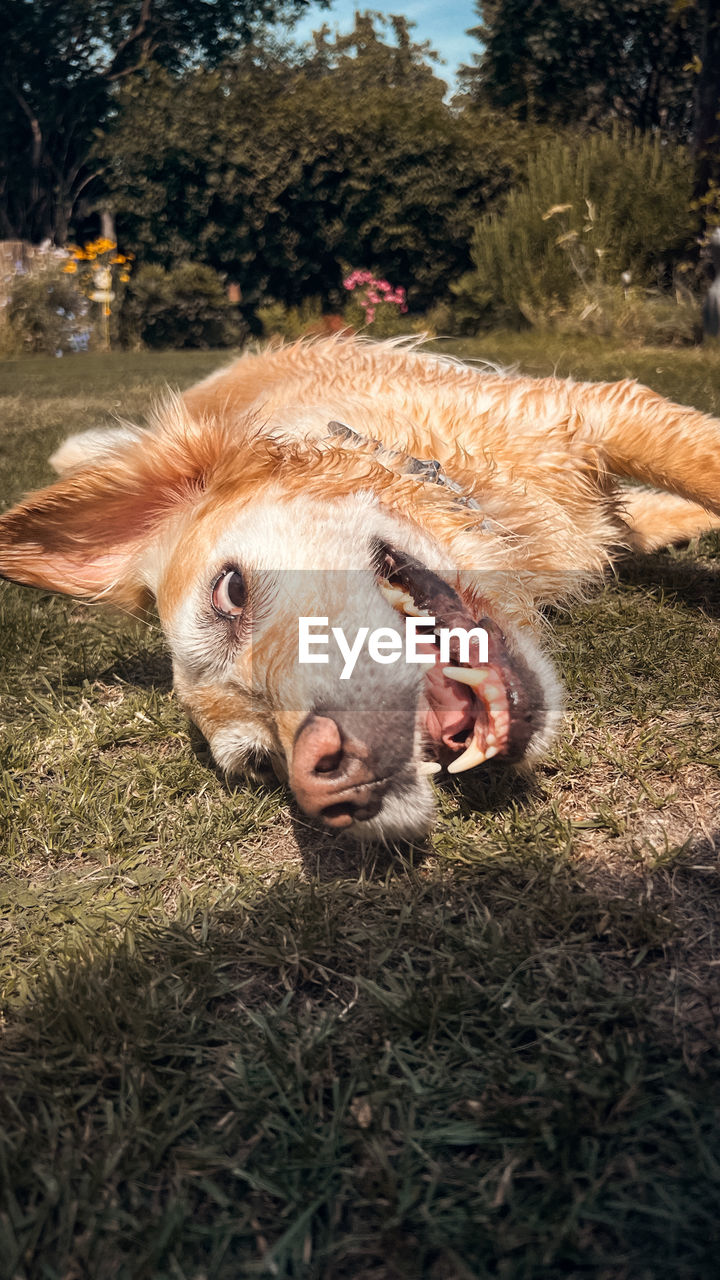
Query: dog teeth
[[471, 756], [465, 675], [485, 682], [477, 677], [427, 768], [401, 600], [394, 595]]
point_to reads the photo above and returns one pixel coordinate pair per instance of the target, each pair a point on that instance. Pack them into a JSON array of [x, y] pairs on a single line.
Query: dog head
[[322, 608]]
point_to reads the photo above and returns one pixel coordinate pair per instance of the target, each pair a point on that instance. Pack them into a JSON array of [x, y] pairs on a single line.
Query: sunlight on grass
[[232, 1047]]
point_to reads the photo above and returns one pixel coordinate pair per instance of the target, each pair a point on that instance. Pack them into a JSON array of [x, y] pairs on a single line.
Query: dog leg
[[646, 437], [661, 519]]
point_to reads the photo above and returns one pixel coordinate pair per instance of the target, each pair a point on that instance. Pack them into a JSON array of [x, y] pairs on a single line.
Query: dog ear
[[77, 537], [92, 533]]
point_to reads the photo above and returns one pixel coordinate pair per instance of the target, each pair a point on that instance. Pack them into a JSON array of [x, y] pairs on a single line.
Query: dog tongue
[[451, 708]]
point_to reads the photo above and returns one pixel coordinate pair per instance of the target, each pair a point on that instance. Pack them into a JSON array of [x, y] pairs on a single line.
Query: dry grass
[[234, 1048]]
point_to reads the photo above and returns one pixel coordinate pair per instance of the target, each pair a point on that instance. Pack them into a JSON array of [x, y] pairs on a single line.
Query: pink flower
[[374, 292]]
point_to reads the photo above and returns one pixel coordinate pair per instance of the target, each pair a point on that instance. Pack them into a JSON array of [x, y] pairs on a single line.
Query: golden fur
[[243, 470]]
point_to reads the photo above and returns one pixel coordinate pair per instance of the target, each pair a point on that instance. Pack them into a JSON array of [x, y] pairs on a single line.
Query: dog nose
[[332, 774]]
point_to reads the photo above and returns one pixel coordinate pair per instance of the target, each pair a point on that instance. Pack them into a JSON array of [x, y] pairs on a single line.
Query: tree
[[565, 61], [706, 130], [60, 63], [283, 173]]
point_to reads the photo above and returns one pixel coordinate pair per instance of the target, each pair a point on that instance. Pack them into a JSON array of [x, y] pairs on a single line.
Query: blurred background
[[174, 174]]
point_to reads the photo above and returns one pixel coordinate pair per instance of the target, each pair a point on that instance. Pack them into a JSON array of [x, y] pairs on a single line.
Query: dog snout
[[335, 773]]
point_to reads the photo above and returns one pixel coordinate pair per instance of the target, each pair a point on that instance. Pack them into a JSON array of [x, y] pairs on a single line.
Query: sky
[[444, 24]]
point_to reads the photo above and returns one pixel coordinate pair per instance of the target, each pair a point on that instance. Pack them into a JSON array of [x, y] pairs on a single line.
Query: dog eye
[[228, 593]]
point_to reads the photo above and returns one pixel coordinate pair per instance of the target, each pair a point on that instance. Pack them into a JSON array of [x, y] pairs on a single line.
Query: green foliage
[[46, 312], [589, 60], [279, 320], [441, 320], [184, 307], [387, 321], [277, 173], [60, 63], [644, 317], [590, 210]]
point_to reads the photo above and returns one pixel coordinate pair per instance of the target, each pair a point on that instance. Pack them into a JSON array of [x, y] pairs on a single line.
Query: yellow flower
[[69, 268], [117, 259], [124, 277]]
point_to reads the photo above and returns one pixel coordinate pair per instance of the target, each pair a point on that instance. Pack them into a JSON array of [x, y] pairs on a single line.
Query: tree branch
[[37, 136], [138, 32]]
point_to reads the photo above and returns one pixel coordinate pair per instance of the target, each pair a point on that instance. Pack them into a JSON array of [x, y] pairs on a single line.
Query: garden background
[[568, 183]]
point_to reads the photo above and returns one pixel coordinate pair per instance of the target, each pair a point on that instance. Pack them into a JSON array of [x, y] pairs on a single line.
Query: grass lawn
[[230, 1049]]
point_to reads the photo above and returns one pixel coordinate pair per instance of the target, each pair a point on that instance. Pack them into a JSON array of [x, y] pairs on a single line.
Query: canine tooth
[[465, 675], [401, 600], [428, 767], [471, 756], [395, 595], [478, 678]]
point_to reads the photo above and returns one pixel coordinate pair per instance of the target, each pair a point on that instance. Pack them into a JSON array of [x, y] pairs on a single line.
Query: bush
[[440, 321], [308, 320], [589, 211], [46, 313], [281, 321], [184, 307], [644, 317]]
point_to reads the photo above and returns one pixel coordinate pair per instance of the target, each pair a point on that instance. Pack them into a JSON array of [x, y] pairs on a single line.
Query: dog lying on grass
[[313, 500]]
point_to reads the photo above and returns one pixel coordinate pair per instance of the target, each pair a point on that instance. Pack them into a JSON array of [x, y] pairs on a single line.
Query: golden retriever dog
[[350, 545]]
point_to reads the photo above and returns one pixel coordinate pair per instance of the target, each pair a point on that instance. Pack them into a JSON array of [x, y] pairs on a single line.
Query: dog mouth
[[472, 709]]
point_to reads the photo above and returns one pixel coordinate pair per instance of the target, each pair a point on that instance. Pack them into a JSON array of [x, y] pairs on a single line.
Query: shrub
[[184, 307], [46, 313], [440, 321], [643, 317], [279, 320], [377, 306], [589, 211]]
